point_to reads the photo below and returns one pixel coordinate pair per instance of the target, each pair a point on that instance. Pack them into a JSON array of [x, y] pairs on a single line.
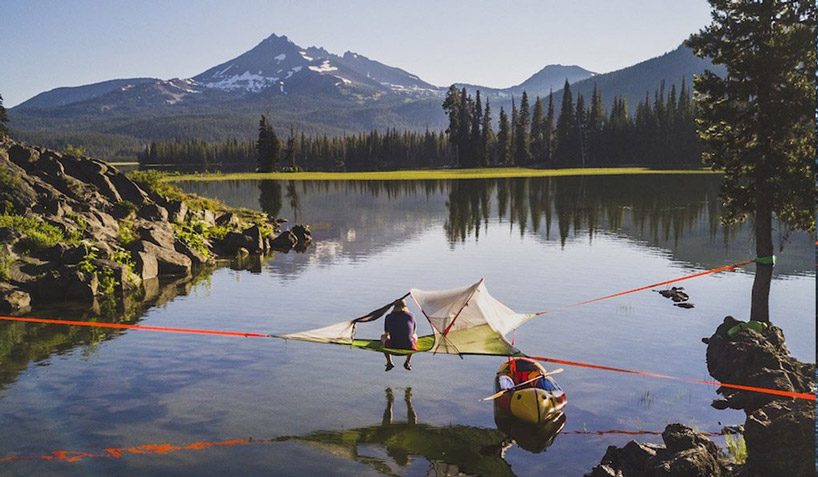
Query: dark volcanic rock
[[755, 359], [685, 453], [146, 265], [284, 242], [781, 439], [256, 241], [128, 190], [195, 257], [66, 283], [177, 211]]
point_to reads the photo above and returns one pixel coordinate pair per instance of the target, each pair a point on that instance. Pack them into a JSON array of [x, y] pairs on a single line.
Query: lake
[[266, 406]]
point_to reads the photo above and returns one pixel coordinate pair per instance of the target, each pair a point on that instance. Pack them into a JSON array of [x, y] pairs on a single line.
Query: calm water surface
[[539, 243]]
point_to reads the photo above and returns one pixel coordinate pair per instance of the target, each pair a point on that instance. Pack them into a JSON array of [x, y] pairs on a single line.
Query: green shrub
[[154, 181], [126, 234], [75, 151], [737, 447], [196, 241], [36, 234]]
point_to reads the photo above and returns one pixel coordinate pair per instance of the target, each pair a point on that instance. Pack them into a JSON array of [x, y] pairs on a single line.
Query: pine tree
[[4, 119], [567, 138], [549, 130], [522, 144], [290, 151], [758, 121], [267, 146], [476, 140], [452, 107], [487, 140], [538, 135], [503, 140], [581, 126], [513, 130]]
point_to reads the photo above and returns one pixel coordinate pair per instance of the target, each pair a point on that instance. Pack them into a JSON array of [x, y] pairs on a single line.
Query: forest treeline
[[660, 132]]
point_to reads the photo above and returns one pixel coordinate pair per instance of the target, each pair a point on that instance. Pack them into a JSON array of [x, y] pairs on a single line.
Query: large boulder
[[159, 233], [256, 241], [196, 257], [284, 242], [232, 242], [754, 358], [780, 439], [169, 261]]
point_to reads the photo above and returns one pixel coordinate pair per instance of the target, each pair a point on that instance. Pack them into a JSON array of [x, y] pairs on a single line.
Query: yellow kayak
[[536, 402]]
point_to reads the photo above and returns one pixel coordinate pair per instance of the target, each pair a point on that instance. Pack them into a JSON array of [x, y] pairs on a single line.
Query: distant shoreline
[[430, 174]]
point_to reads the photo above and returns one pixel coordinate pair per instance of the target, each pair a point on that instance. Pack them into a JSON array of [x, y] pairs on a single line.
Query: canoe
[[537, 402]]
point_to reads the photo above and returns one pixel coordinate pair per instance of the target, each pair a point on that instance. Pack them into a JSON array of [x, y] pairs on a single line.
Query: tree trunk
[[760, 305]]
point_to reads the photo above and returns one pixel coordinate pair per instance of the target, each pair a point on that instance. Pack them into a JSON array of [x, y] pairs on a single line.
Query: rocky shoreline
[[779, 432], [75, 229]]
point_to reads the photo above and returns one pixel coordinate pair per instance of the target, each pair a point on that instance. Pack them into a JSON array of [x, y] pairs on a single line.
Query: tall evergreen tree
[[758, 120], [476, 140], [452, 106], [290, 151], [267, 146], [487, 140], [581, 126], [522, 144], [549, 130], [538, 134], [567, 151], [503, 139], [513, 129]]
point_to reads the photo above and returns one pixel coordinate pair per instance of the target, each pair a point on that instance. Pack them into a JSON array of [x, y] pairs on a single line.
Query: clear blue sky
[[51, 43]]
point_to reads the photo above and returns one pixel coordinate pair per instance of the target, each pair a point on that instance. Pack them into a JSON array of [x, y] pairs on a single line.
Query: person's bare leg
[[389, 363], [408, 363]]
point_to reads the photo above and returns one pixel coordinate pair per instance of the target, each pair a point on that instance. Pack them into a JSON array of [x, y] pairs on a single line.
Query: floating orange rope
[[742, 387]]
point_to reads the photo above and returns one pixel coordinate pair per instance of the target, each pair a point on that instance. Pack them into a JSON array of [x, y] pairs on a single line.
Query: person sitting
[[400, 333]]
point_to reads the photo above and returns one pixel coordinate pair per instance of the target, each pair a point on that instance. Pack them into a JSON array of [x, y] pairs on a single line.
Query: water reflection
[[449, 450], [676, 213], [25, 343]]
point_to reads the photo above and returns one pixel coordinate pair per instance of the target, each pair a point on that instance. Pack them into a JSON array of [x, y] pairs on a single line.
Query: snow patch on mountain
[[325, 67], [247, 81]]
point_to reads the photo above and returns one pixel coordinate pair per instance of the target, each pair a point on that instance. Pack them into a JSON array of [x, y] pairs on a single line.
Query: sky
[[51, 43]]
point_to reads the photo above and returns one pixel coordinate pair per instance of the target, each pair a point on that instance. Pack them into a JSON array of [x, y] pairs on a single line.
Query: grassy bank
[[428, 174]]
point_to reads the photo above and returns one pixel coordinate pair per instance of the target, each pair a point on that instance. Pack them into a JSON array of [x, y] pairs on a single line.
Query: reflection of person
[[411, 416], [400, 333]]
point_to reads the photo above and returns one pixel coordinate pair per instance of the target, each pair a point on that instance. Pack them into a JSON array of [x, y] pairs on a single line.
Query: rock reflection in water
[[449, 450], [25, 343]]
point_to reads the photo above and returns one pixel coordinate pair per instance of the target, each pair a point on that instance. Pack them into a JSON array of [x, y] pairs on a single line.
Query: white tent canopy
[[465, 320]]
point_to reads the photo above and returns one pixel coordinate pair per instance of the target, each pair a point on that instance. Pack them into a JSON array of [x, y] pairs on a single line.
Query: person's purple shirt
[[401, 326]]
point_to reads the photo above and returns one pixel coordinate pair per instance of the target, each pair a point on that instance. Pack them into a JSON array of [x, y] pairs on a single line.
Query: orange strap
[[742, 387], [134, 327], [725, 268]]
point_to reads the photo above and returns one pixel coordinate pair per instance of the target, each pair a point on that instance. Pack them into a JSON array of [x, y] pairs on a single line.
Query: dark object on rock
[[674, 293], [170, 262], [686, 453], [686, 306], [153, 212]]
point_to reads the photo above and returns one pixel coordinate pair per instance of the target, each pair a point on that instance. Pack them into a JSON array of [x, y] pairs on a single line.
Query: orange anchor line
[[123, 326], [742, 387]]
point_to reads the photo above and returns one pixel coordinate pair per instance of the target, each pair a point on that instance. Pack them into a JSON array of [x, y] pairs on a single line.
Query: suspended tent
[[464, 321]]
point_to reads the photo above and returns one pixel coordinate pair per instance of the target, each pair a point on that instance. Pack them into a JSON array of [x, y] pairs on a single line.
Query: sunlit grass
[[429, 174]]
